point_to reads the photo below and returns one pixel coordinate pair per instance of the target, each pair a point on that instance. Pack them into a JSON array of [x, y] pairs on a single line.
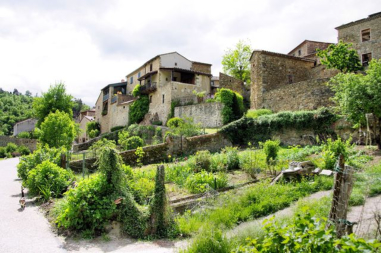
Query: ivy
[[233, 105], [138, 109], [247, 130]]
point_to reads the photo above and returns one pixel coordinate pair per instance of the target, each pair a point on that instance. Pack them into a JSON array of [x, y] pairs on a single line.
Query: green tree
[[340, 56], [51, 101], [58, 129], [79, 106], [357, 94], [236, 62]]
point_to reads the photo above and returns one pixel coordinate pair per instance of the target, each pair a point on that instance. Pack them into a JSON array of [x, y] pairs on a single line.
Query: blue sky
[[88, 44]]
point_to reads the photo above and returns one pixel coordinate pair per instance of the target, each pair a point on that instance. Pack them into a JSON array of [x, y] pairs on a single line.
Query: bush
[[10, 148], [25, 135], [93, 133], [187, 128], [142, 189], [232, 159], [209, 240], [175, 122], [233, 104], [271, 149], [138, 109], [204, 181], [102, 143], [3, 152], [332, 150], [132, 143], [256, 113], [116, 128], [48, 180], [203, 160], [23, 150], [27, 163], [262, 128]]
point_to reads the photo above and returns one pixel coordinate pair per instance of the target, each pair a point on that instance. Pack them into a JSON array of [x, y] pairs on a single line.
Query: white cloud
[[91, 43]]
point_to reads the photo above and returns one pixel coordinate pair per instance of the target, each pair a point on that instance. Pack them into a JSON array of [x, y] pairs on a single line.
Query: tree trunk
[[378, 138]]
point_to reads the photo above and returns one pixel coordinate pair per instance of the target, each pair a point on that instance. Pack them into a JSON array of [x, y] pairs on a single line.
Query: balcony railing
[[114, 99], [148, 88], [105, 97]]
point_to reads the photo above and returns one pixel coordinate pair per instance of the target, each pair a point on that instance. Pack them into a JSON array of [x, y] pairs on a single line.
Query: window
[[131, 79], [290, 79], [366, 58], [150, 98], [139, 75], [365, 35], [175, 63], [163, 98], [212, 83], [299, 52], [150, 67]]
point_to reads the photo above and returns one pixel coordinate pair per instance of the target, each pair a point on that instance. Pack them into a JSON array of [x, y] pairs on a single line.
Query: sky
[[88, 44]]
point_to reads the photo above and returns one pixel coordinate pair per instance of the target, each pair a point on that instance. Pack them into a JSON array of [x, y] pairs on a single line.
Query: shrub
[[187, 128], [233, 104], [102, 143], [332, 150], [10, 148], [27, 163], [203, 181], [132, 143], [3, 152], [25, 135], [93, 133], [48, 179], [158, 137], [271, 149], [136, 90], [256, 113], [209, 240], [175, 122], [203, 161], [116, 128], [138, 109], [93, 129], [122, 137], [142, 189], [23, 150], [232, 159]]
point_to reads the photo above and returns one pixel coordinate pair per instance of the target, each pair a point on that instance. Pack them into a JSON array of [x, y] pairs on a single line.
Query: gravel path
[[22, 230]]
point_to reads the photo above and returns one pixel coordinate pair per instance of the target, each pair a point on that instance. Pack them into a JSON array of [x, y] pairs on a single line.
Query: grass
[[211, 130]]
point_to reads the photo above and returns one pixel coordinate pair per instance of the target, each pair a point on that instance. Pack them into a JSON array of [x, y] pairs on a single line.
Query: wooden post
[[341, 194], [83, 164], [63, 161]]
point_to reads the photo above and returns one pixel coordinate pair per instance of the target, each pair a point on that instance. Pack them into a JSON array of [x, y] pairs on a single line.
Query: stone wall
[[306, 95], [201, 67], [271, 71], [206, 114], [30, 143], [234, 84]]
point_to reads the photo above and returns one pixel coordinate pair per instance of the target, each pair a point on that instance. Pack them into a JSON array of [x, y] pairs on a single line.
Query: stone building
[[164, 78], [229, 82], [365, 36], [84, 118], [297, 80], [27, 125]]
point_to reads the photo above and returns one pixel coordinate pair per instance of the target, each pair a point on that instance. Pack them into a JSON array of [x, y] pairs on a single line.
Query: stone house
[[84, 118], [164, 78], [229, 82], [27, 125], [297, 80], [365, 36], [112, 106]]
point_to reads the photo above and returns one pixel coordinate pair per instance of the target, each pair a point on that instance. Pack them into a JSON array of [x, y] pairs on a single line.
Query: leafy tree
[[357, 94], [92, 129], [51, 101], [58, 129], [340, 56], [78, 107], [236, 62], [28, 93]]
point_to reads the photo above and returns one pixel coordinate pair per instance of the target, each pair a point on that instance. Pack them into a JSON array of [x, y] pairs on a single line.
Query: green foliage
[[356, 95], [10, 148], [306, 234], [122, 138], [131, 143], [261, 129], [23, 150], [138, 109], [332, 150], [158, 137], [236, 62], [58, 129], [25, 135], [254, 202], [3, 153], [48, 176], [256, 113], [43, 153], [116, 128], [233, 104], [93, 129], [139, 154], [136, 90], [54, 100], [14, 107], [209, 240], [202, 160], [175, 122], [102, 143], [78, 107], [232, 159], [204, 181], [174, 103], [187, 128], [340, 56], [271, 149]]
